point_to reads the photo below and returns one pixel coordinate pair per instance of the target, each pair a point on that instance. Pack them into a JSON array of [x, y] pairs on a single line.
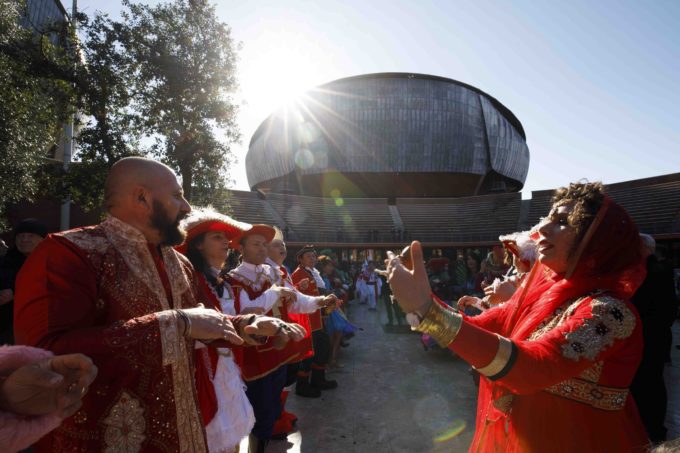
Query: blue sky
[[596, 84]]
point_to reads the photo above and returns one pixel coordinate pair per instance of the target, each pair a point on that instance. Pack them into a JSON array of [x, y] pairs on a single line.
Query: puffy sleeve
[[589, 331]]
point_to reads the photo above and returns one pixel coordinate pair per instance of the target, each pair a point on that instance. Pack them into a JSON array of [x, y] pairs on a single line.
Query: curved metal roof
[[389, 123]]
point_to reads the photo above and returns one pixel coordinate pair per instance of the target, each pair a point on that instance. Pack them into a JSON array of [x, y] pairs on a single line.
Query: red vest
[[303, 348], [259, 361], [298, 275]]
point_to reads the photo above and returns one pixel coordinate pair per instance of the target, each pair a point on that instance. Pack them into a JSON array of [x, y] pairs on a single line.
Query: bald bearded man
[[121, 294]]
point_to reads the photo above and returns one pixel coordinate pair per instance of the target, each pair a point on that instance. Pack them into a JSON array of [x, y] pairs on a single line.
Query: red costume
[[557, 359], [297, 276], [261, 360], [105, 292], [302, 348]]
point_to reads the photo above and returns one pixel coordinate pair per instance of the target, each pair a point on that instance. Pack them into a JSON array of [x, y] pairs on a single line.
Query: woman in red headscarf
[[558, 357]]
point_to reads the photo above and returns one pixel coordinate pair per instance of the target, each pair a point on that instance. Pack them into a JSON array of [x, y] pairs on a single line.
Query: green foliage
[[35, 98], [159, 82], [183, 82]]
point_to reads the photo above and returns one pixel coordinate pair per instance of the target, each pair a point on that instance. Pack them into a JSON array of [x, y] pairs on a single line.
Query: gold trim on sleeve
[[500, 361], [441, 324]]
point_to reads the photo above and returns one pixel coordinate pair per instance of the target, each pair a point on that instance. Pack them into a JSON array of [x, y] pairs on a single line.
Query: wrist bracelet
[[187, 322], [441, 324]]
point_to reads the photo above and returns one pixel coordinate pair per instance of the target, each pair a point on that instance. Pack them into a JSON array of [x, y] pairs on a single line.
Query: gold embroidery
[[593, 373], [189, 426], [132, 246], [611, 320], [597, 396], [167, 321], [558, 317], [125, 426], [179, 282], [87, 241]]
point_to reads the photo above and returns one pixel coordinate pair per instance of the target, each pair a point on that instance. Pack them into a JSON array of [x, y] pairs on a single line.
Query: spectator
[[656, 303], [27, 234]]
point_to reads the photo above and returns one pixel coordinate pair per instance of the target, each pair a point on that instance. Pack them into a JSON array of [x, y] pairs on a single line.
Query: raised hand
[[51, 385], [470, 301], [410, 288], [499, 291]]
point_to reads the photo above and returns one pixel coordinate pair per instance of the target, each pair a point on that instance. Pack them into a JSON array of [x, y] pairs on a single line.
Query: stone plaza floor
[[393, 396]]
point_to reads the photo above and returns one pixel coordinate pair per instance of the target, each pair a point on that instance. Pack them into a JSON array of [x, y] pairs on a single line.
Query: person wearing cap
[[258, 286], [308, 280], [119, 293], [277, 252], [227, 413], [27, 235]]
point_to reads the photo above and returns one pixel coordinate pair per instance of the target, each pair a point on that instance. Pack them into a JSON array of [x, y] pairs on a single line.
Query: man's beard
[[171, 233]]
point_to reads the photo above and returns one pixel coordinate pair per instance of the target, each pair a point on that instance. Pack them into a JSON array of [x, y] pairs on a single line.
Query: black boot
[[256, 445], [319, 380], [303, 388]]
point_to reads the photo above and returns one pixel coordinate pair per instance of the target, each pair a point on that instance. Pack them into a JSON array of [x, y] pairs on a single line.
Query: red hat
[[267, 231], [202, 220]]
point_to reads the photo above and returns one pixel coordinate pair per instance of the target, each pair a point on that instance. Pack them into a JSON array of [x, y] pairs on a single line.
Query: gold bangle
[[441, 324], [500, 361]]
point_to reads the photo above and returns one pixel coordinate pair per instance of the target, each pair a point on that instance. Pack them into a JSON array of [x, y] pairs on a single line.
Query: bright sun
[[276, 76]]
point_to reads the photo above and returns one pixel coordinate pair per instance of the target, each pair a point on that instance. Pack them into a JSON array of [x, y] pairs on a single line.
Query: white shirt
[[256, 276]]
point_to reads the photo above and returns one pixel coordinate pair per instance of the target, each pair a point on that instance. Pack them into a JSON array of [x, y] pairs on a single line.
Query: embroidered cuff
[[502, 362], [441, 324], [170, 337]]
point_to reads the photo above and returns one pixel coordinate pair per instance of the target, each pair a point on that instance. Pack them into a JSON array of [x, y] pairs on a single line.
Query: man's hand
[[286, 295], [303, 284], [411, 289], [470, 301], [209, 324], [264, 326], [328, 301], [6, 295], [499, 292], [52, 385]]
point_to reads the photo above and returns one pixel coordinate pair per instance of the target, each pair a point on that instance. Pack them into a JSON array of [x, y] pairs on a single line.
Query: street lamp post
[[68, 145]]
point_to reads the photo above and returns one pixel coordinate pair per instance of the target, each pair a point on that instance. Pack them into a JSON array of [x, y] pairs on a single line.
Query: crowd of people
[[172, 328]]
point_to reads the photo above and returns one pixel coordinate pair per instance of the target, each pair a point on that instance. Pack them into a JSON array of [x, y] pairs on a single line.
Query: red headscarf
[[608, 258]]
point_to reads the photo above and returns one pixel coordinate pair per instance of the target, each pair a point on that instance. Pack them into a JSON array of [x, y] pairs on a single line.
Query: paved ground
[[395, 397]]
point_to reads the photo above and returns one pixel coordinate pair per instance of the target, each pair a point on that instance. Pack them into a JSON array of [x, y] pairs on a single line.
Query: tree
[[109, 127], [160, 83], [184, 78], [36, 92]]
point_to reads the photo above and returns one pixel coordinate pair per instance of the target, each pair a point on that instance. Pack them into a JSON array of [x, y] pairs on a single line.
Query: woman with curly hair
[[556, 359]]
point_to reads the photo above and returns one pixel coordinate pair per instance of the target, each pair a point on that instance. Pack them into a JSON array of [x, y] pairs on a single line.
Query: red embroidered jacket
[[104, 292]]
